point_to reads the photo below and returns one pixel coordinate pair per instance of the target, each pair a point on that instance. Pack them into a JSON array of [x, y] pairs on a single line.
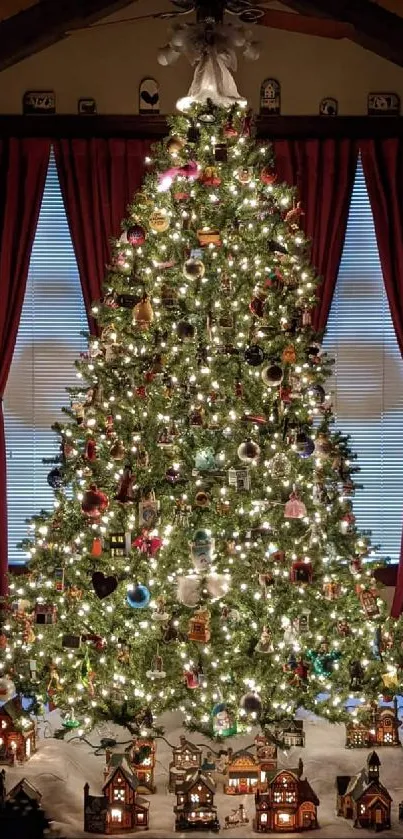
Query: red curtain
[[382, 162], [98, 179], [323, 171], [23, 168]]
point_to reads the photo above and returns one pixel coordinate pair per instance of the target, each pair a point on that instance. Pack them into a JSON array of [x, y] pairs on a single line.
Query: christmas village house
[[266, 753], [288, 805], [292, 733], [195, 804], [20, 811], [243, 773], [363, 798], [17, 733], [381, 729], [119, 809], [186, 758]]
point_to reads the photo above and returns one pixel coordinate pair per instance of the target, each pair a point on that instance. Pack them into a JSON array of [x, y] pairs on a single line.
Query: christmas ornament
[[56, 478], [169, 296], [268, 176], [257, 304], [148, 511], [159, 221], [193, 677], [248, 451], [304, 445], [138, 597], [239, 478], [175, 145], [7, 689], [224, 724], [90, 450], [369, 603], [202, 498], [280, 466], [94, 502], [265, 644], [208, 236], [210, 176], [251, 703], [202, 550], [221, 152], [147, 544], [117, 450], [196, 417], [189, 170], [272, 375], [254, 355], [205, 460], [244, 176], [69, 722], [289, 355], [185, 331], [294, 508], [316, 394], [194, 269], [156, 671], [103, 586], [199, 626], [301, 571], [323, 660], [356, 675], [97, 547], [160, 613], [323, 446], [126, 492], [136, 235], [143, 314], [191, 587]]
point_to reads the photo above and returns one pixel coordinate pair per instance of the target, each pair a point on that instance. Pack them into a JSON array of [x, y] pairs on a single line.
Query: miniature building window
[[118, 795], [290, 797], [387, 737], [194, 798], [387, 722], [278, 796], [263, 818], [1, 741], [362, 808], [283, 818], [116, 814], [3, 724], [140, 818], [28, 747]]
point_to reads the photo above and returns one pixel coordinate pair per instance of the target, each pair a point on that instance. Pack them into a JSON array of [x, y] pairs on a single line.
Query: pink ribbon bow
[[188, 170]]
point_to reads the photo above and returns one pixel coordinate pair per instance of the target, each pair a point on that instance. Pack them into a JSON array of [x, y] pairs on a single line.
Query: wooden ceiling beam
[[374, 28], [43, 24]]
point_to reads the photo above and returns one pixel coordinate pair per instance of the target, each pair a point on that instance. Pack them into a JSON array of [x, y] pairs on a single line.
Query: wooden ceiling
[[28, 26]]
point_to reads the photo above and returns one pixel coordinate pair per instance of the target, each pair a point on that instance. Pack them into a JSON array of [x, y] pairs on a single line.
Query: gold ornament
[[159, 221], [244, 176], [143, 314], [175, 145]]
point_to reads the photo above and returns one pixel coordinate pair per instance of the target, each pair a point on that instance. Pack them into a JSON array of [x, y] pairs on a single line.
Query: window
[[118, 795], [48, 343], [368, 377], [116, 815], [194, 797]]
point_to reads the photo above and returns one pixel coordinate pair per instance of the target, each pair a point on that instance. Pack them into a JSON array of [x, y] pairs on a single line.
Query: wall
[[108, 63]]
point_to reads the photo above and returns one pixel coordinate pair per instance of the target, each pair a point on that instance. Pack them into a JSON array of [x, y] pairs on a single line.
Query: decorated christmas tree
[[202, 553]]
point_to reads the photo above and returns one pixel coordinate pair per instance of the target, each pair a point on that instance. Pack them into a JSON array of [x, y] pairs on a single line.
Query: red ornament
[[181, 196], [94, 502], [147, 544], [285, 395], [267, 176], [136, 235], [125, 493], [96, 549], [238, 389], [141, 392], [294, 508], [91, 450], [192, 678], [256, 305]]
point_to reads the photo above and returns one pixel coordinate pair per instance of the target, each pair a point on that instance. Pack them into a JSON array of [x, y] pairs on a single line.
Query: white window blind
[[48, 343], [368, 377]]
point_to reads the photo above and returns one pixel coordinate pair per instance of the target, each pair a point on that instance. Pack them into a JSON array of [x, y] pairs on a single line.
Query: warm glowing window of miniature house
[[28, 747], [119, 794], [140, 817], [263, 818], [116, 815], [1, 742], [362, 808], [3, 724], [194, 797], [284, 818]]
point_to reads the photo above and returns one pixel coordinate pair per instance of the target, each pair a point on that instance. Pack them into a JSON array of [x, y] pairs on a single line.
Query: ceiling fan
[[212, 11]]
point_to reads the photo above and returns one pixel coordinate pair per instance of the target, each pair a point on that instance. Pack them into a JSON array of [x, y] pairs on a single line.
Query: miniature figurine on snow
[[119, 809], [243, 773], [195, 808], [236, 817], [17, 733], [379, 728], [186, 758], [142, 764], [363, 798], [20, 810], [288, 805]]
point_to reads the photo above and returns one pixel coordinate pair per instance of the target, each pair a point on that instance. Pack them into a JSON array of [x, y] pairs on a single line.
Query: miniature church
[[363, 798], [119, 809], [186, 758], [380, 729]]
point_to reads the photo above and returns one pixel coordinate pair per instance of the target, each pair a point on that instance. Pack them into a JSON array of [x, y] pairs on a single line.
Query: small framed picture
[[149, 96], [383, 104], [87, 106], [329, 107], [39, 102]]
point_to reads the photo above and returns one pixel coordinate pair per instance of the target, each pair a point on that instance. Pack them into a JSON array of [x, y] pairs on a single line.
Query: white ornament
[[7, 689]]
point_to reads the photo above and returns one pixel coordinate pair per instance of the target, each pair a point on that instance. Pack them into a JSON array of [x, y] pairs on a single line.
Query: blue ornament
[[205, 460], [138, 597], [305, 445]]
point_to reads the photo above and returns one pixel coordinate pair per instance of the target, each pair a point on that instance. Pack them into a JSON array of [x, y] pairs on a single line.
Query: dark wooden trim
[[373, 27], [155, 127], [47, 22], [18, 570]]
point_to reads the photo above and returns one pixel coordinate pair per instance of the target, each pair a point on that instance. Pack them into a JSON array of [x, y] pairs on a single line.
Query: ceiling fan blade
[[305, 25]]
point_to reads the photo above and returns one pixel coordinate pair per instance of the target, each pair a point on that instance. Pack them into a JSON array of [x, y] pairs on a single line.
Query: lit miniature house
[[20, 811], [292, 733], [380, 729], [142, 762], [17, 733], [199, 628], [243, 774], [363, 798], [119, 808], [195, 808], [266, 753], [288, 805], [120, 543], [186, 758]]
